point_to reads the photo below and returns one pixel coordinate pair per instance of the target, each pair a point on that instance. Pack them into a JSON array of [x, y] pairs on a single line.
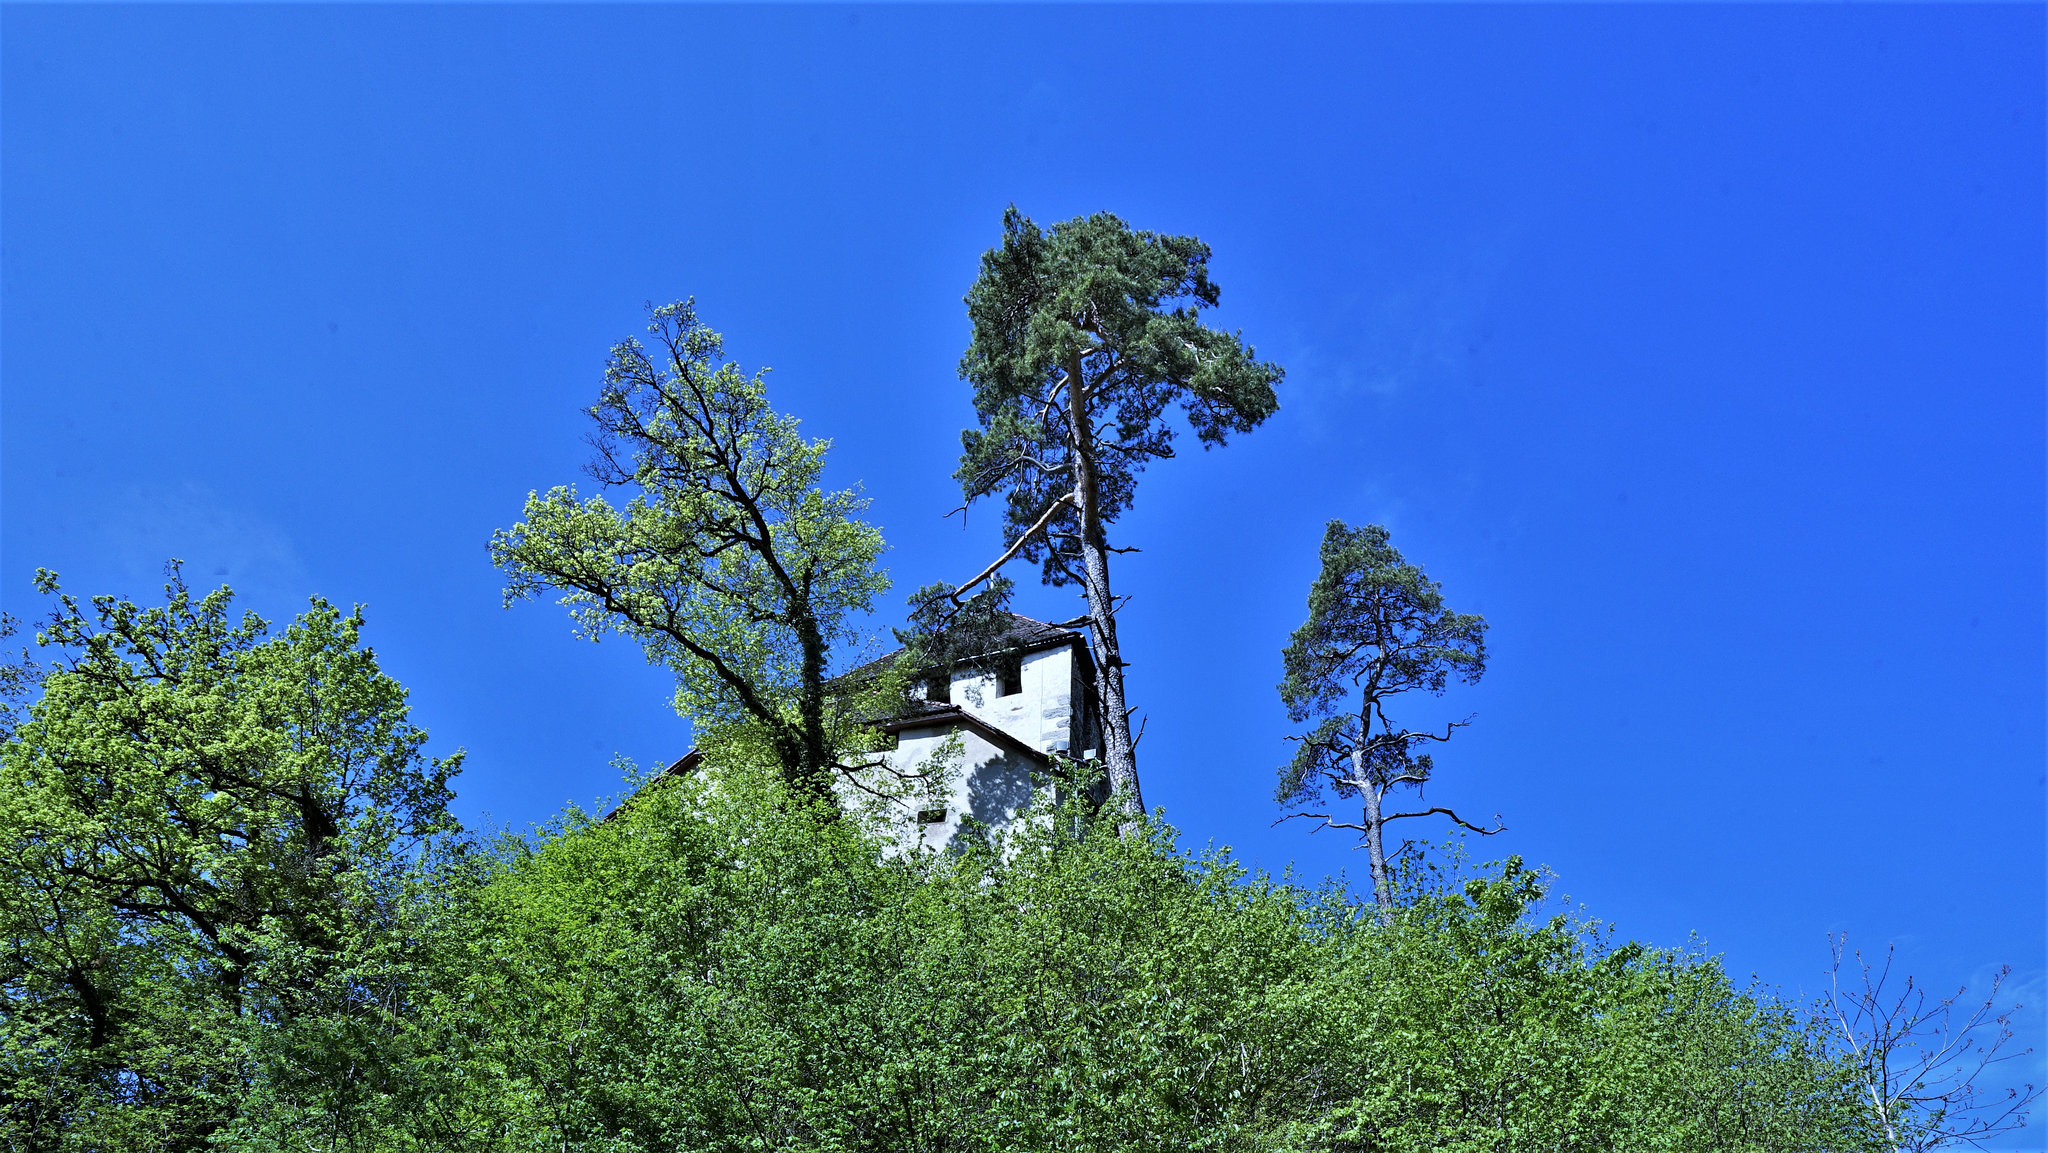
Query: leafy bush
[[710, 970], [237, 916]]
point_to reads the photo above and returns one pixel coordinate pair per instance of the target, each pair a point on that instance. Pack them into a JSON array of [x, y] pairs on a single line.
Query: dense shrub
[[709, 971], [235, 915]]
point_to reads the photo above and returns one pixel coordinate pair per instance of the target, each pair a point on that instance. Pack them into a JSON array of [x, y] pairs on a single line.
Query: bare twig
[[1439, 810], [1917, 1063]]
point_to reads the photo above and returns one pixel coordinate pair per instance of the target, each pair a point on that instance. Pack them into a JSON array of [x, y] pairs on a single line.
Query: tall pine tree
[[1085, 335]]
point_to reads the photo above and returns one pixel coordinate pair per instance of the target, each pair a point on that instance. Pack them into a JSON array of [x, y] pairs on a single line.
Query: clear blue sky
[[1700, 349]]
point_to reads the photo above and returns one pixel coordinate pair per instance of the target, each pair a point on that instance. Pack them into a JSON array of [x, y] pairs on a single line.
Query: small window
[[931, 816], [938, 688], [1010, 677]]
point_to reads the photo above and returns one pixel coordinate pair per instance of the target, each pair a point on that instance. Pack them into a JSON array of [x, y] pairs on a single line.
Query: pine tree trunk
[[1375, 844], [1119, 752]]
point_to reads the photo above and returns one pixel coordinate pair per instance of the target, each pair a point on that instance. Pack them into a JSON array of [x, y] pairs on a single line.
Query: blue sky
[[1699, 348]]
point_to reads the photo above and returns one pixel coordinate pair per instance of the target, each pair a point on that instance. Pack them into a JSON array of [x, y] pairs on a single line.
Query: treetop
[[1376, 623], [1119, 306]]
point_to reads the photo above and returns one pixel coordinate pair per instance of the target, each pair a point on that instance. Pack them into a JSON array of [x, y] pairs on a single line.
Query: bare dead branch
[[1022, 538], [1439, 810]]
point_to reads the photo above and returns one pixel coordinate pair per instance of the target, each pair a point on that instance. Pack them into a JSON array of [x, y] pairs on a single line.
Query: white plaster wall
[[988, 784], [991, 784], [1042, 715], [1049, 687]]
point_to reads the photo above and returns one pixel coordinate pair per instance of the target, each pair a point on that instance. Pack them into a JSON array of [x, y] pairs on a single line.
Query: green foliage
[[370, 1052], [728, 564], [1465, 1022], [188, 800], [1094, 310], [1377, 628], [942, 633], [19, 677], [707, 975], [706, 972]]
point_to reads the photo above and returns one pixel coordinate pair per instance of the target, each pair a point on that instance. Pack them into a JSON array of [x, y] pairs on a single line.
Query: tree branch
[[1008, 553], [1498, 827]]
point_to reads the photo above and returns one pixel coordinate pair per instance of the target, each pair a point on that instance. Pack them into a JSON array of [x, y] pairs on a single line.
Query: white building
[[1031, 696], [1011, 708]]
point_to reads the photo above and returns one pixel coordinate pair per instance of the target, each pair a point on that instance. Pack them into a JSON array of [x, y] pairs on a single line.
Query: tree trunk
[[1119, 752], [1375, 845], [813, 779]]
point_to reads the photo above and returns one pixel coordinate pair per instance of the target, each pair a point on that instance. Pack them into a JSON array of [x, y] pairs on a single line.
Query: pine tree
[[1085, 334]]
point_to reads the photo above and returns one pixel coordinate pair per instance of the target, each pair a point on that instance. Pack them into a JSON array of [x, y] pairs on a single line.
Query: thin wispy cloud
[[143, 527], [1412, 331]]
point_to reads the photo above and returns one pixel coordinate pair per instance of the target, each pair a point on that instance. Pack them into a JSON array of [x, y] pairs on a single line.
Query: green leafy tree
[[187, 797], [1377, 628], [728, 563], [19, 678], [707, 970], [1085, 334]]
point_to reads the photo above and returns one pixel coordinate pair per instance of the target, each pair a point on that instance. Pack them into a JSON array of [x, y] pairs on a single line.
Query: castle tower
[[1011, 708]]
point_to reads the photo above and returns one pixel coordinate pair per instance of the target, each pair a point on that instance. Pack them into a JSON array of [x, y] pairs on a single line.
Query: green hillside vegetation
[[711, 971], [718, 968]]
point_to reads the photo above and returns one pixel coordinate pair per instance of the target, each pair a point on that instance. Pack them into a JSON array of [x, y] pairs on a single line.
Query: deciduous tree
[[728, 562], [1917, 1061], [186, 796]]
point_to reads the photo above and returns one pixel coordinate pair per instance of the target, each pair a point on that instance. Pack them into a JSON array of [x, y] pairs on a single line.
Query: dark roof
[[926, 714], [683, 766], [917, 708], [1023, 636]]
